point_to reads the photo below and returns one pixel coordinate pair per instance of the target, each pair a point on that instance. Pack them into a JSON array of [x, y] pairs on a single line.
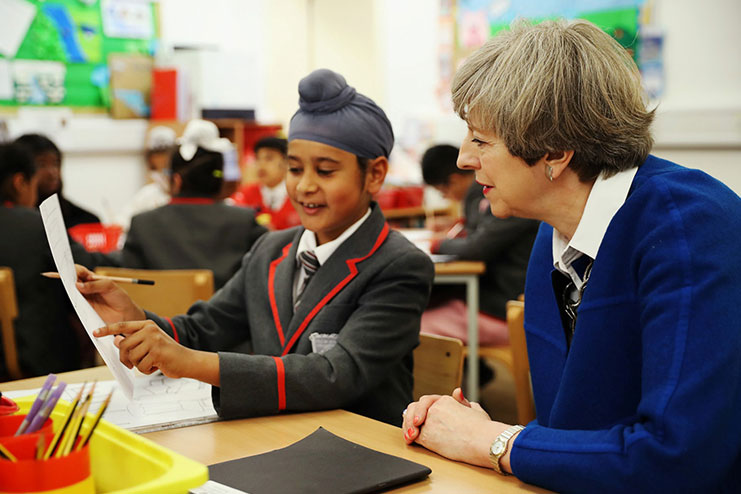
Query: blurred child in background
[[48, 160], [268, 195], [159, 148], [195, 230], [503, 244], [49, 337]]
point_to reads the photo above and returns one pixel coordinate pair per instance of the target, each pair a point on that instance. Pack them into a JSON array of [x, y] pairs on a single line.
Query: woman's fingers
[[416, 415], [458, 395]]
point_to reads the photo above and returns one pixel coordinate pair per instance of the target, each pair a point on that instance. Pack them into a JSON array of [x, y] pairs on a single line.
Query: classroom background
[[250, 54]]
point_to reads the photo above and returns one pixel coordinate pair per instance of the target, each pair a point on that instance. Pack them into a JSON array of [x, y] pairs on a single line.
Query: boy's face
[[327, 188], [159, 161], [49, 173], [456, 187], [271, 166]]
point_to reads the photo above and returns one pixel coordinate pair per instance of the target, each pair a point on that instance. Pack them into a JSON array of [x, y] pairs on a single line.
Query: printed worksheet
[[56, 234], [161, 402]]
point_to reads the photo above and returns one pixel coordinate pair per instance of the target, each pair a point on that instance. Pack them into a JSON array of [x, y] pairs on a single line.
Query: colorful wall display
[[56, 52]]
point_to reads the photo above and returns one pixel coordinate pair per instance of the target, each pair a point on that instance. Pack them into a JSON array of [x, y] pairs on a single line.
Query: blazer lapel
[[337, 272], [280, 287]]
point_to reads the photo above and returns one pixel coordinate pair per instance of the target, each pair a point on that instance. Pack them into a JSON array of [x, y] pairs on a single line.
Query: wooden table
[[467, 273], [222, 441]]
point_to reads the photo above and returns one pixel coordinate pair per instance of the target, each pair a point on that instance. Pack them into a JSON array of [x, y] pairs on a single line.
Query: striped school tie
[[310, 264]]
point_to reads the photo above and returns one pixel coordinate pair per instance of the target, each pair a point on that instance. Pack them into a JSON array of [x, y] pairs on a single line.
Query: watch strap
[[503, 438]]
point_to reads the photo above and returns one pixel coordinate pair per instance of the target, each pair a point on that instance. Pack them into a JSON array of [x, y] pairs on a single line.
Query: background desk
[[222, 441], [467, 273]]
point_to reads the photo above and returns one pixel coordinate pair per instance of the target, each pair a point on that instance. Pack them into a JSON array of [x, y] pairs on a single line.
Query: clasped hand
[[452, 427]]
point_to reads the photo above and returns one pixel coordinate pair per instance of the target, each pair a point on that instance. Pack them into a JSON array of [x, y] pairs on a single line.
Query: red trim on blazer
[[271, 293], [174, 330], [351, 264], [192, 200], [280, 372]]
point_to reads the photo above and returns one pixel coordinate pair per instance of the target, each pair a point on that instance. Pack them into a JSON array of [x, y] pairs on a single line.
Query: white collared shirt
[[274, 197], [605, 198], [322, 252]]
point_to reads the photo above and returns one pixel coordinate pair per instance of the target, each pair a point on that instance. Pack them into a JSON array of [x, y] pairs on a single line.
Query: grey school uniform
[[503, 244], [192, 233], [371, 292]]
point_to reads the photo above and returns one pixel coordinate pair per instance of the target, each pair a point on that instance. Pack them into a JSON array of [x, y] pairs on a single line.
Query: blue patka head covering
[[333, 113]]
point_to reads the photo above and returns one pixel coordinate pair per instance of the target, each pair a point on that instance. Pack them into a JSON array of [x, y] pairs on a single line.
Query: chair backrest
[[438, 365], [520, 362], [173, 292], [8, 313]]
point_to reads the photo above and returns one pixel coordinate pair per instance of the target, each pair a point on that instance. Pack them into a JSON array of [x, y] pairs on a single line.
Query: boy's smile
[[327, 188]]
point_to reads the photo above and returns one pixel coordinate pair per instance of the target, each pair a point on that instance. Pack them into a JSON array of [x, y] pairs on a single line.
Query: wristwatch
[[499, 447]]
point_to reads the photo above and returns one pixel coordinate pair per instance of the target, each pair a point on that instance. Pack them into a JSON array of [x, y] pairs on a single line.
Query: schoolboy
[[340, 338], [503, 244], [268, 196]]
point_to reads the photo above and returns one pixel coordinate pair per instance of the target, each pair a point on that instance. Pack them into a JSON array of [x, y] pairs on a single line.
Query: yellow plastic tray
[[125, 463]]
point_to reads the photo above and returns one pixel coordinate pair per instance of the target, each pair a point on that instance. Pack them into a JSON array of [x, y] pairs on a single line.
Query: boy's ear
[[18, 180], [376, 174], [175, 183]]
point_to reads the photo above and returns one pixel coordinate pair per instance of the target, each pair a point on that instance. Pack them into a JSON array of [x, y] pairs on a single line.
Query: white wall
[[699, 116], [387, 49]]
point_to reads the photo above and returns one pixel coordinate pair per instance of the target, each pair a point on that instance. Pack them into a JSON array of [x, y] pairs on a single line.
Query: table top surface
[[460, 267], [228, 440]]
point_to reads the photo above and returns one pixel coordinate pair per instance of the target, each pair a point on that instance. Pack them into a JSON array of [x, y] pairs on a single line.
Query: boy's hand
[[142, 344], [110, 302]]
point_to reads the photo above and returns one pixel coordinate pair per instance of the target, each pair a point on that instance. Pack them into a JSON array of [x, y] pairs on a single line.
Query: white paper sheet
[[161, 403], [15, 19], [56, 234]]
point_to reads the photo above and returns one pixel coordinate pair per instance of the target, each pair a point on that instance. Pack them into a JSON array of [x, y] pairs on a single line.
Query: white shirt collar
[[274, 197], [605, 198], [308, 241]]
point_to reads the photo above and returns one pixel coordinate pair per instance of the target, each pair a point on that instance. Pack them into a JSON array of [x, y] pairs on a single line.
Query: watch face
[[498, 447]]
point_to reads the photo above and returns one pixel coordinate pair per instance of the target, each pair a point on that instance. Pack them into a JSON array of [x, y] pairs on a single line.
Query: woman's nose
[[468, 156]]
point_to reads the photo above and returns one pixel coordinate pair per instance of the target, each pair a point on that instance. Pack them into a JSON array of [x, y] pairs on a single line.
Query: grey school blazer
[[371, 292]]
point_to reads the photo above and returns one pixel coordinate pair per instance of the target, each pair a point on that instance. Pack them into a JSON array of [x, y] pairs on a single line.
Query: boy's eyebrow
[[317, 160], [322, 159]]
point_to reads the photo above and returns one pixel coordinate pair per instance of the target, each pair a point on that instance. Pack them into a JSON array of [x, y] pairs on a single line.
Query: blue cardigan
[[648, 397]]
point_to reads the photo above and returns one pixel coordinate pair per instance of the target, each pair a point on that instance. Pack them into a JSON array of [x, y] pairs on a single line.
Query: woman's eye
[[325, 173]]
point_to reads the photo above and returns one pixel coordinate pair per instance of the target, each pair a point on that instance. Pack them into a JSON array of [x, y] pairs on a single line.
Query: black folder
[[319, 463]]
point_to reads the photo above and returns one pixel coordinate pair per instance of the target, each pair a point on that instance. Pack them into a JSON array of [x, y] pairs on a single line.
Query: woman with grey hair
[[633, 287]]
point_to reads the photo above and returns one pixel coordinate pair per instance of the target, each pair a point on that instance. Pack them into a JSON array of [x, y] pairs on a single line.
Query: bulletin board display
[[477, 20], [58, 52]]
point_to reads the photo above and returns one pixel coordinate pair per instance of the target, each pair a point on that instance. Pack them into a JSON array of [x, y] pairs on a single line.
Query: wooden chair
[[438, 365], [514, 357], [174, 290], [8, 313]]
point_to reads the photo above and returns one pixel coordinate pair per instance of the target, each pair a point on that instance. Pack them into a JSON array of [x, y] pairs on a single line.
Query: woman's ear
[[558, 161], [376, 174]]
